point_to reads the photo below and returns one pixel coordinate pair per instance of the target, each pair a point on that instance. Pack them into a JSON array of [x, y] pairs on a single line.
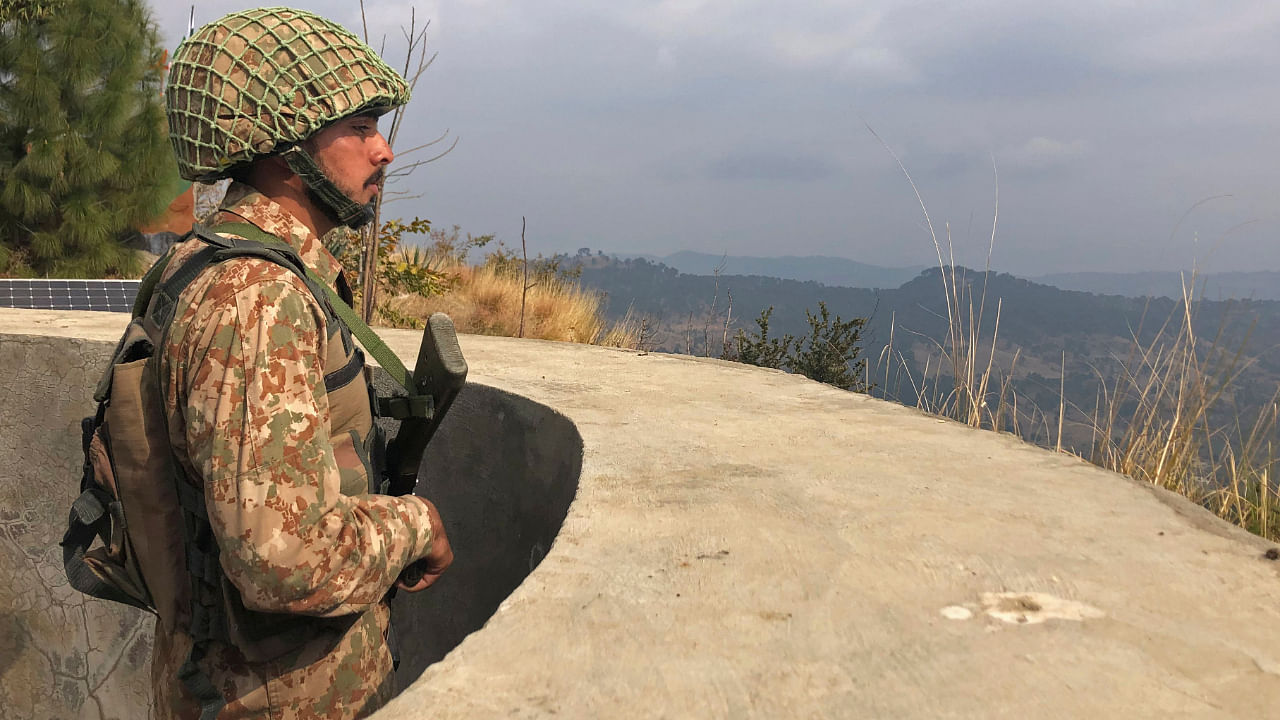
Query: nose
[[381, 153]]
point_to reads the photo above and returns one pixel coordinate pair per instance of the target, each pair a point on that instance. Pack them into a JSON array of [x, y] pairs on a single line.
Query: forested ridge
[[1050, 342]]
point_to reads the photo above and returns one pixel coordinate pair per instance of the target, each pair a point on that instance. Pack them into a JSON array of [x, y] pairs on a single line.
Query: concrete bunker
[[503, 470], [742, 543]]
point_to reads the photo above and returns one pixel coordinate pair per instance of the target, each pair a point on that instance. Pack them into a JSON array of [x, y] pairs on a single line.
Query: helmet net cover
[[259, 80]]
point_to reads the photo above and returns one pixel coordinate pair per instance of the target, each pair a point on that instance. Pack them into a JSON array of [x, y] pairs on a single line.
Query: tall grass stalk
[[971, 375]]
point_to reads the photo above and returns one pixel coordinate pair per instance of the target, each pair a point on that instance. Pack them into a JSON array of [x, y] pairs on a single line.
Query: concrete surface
[[741, 543]]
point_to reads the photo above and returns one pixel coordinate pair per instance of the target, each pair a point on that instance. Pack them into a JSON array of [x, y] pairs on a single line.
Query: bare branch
[[407, 169], [443, 135], [404, 196], [417, 46], [524, 250]]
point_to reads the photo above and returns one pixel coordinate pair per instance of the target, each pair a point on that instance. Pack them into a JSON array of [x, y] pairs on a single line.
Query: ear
[[275, 164], [272, 176], [272, 171]]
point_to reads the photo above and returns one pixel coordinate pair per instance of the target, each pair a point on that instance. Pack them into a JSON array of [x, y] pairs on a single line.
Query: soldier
[[268, 411]]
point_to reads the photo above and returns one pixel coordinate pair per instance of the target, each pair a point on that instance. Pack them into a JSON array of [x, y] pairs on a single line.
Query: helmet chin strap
[[344, 209]]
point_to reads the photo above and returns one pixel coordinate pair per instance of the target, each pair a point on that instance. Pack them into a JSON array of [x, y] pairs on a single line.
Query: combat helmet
[[259, 82]]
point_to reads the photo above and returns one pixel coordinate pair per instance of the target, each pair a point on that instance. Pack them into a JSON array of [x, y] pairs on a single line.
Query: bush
[[829, 354]]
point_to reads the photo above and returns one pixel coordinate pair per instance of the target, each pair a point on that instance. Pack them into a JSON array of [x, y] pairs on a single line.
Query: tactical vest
[[217, 611], [157, 549]]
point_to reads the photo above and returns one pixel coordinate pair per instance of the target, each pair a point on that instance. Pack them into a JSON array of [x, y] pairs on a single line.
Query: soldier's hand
[[438, 559]]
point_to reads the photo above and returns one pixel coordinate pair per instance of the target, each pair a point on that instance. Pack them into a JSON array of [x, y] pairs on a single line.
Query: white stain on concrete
[[1032, 608], [956, 612]]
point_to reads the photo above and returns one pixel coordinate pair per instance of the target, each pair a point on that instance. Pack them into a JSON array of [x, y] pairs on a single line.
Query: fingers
[[424, 572]]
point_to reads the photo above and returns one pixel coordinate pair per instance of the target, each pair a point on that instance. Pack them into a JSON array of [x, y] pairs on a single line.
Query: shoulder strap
[[158, 301], [147, 286], [372, 343]]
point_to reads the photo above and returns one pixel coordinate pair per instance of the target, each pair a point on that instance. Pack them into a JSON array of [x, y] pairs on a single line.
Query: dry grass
[[484, 300], [1158, 420], [970, 397], [1174, 384], [1155, 422]]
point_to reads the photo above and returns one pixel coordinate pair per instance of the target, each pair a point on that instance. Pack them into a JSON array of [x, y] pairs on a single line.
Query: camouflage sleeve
[[257, 431]]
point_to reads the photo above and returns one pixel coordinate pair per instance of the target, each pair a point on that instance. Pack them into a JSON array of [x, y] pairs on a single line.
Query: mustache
[[377, 177]]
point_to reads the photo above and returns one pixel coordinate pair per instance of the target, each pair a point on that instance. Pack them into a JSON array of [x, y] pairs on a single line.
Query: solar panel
[[45, 294]]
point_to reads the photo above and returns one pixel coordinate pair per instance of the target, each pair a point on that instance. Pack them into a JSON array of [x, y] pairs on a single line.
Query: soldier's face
[[354, 155]]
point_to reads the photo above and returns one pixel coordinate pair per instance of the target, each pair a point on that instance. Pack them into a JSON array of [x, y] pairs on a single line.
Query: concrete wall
[[61, 655], [737, 543]]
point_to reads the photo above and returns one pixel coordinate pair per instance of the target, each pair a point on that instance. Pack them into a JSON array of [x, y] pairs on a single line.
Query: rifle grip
[[412, 574]]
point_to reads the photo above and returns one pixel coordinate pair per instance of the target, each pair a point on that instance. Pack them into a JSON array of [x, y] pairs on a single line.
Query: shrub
[[829, 354]]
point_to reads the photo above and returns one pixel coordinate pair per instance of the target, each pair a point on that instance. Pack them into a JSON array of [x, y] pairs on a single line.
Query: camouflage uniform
[[285, 476]]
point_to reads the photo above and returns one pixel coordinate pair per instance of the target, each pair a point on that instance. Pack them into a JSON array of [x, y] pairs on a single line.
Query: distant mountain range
[[816, 268], [842, 272]]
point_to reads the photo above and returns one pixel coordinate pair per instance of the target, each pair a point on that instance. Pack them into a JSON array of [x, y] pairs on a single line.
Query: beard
[[350, 191]]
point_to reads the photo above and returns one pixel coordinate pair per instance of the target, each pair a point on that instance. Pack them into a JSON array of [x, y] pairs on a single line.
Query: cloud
[[770, 166], [1040, 153], [852, 50], [666, 58], [1201, 35], [704, 107]]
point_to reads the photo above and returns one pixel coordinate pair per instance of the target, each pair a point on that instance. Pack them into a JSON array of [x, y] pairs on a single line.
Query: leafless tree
[[416, 62]]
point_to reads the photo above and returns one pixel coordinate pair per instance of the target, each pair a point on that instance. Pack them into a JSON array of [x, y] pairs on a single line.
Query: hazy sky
[[741, 126]]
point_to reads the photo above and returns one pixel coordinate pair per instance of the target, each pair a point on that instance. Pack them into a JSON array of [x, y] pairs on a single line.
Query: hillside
[[1261, 285], [1037, 323], [818, 268]]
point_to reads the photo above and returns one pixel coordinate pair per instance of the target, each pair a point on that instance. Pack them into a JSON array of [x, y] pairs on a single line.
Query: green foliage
[[761, 350], [409, 271], [26, 10], [404, 268], [413, 271], [400, 271], [542, 270], [829, 354], [397, 319], [84, 154], [451, 247]]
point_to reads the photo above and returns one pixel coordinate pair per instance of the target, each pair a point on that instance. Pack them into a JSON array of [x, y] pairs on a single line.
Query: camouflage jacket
[[285, 482]]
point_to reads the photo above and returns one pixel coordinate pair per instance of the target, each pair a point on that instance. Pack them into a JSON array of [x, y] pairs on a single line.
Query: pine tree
[[84, 154], [25, 10]]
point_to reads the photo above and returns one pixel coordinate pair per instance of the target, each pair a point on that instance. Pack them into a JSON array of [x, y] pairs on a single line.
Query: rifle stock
[[440, 373]]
